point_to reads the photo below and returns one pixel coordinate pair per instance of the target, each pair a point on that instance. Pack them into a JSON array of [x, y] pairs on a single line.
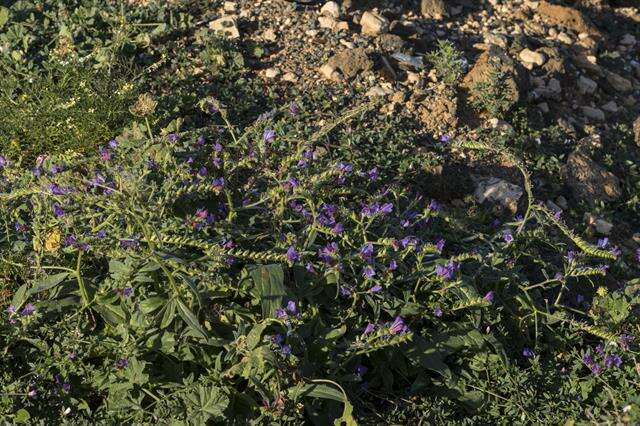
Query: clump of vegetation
[[492, 94], [448, 63], [69, 108]]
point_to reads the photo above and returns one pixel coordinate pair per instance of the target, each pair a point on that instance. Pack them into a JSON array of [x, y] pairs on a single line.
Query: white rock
[[377, 91], [494, 189], [225, 25], [374, 24], [603, 227], [271, 72], [270, 35], [331, 9], [326, 22], [229, 6], [564, 38], [290, 77], [586, 85], [531, 57]]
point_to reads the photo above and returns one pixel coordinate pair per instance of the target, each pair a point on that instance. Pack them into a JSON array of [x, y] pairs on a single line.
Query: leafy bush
[[448, 63], [256, 274], [70, 107], [491, 95]]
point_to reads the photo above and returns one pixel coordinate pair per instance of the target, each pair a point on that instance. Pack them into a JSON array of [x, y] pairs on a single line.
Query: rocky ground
[[571, 66]]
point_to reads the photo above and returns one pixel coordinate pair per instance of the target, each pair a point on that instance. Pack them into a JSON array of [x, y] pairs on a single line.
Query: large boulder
[[566, 17], [590, 181], [435, 9]]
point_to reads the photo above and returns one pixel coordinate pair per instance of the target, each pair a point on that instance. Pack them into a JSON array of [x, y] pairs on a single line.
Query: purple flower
[[101, 233], [33, 392], [588, 360], [603, 242], [488, 297], [361, 370], [616, 251], [344, 291], [369, 329], [507, 237], [345, 168], [370, 210], [56, 169], [97, 181], [70, 240], [612, 360], [286, 350], [338, 229], [435, 205], [57, 210], [294, 109], [398, 326], [292, 255], [386, 208], [66, 387], [129, 243], [218, 183], [571, 255], [277, 339], [309, 267], [37, 171], [3, 161], [367, 251], [528, 353], [152, 165], [173, 137], [113, 144], [625, 341], [72, 356], [373, 174], [438, 312], [440, 244], [281, 313], [376, 288], [558, 276], [56, 189], [122, 363], [125, 292], [368, 272], [291, 183], [268, 135], [28, 309], [393, 265], [292, 308], [105, 154], [447, 271], [596, 369], [445, 138]]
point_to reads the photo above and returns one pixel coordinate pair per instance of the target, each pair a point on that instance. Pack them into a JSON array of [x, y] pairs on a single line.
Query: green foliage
[[69, 108], [491, 95], [448, 63]]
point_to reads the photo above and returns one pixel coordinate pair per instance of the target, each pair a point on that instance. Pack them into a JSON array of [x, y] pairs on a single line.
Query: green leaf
[[19, 297], [269, 287], [321, 391], [4, 18], [169, 314], [151, 304], [336, 333], [112, 314], [21, 415], [255, 335], [48, 283], [191, 320]]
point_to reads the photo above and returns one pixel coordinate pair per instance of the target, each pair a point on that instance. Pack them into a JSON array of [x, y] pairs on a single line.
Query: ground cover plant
[[201, 248]]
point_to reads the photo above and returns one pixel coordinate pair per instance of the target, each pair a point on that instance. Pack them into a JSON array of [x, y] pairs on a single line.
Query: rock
[[562, 202], [226, 25], [618, 82], [374, 24], [327, 22], [500, 125], [496, 58], [290, 77], [628, 40], [347, 63], [497, 39], [601, 226], [271, 72], [500, 191], [331, 9], [531, 57], [589, 181], [611, 107], [408, 60], [270, 35], [230, 6], [636, 130], [566, 17], [390, 42], [586, 85], [595, 114], [378, 91], [433, 9]]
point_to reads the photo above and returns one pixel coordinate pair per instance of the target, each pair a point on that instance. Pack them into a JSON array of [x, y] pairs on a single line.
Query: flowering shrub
[[281, 273]]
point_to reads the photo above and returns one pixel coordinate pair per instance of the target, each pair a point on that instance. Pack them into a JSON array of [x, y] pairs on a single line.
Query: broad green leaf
[[191, 320], [19, 297], [169, 314], [21, 415], [269, 287], [112, 314], [255, 335], [4, 18], [151, 304], [49, 282]]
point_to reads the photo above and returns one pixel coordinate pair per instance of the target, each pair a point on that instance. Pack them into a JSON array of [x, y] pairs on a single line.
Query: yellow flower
[[52, 243], [602, 291]]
